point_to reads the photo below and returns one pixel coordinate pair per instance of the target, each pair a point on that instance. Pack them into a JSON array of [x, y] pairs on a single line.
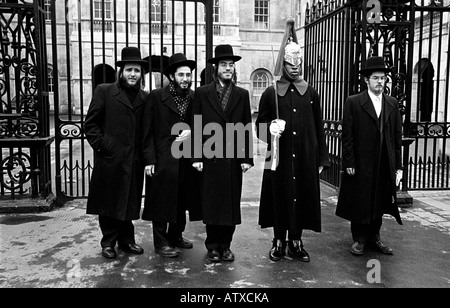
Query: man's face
[[225, 71], [183, 77], [293, 70], [376, 82], [132, 74]]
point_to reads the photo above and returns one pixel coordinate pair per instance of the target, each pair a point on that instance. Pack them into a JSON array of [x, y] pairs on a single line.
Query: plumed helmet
[[289, 49]]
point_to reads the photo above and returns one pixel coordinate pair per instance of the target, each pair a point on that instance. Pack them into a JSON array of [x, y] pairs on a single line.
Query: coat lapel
[[168, 100], [214, 100], [122, 97], [389, 107], [367, 105]]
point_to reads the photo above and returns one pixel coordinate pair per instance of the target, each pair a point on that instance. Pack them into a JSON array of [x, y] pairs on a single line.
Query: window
[[260, 81], [216, 11], [47, 9], [262, 14], [156, 10], [102, 6]]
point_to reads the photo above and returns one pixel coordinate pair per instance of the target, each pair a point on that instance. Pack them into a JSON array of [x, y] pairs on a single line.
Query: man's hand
[[183, 136], [350, 171], [320, 170], [246, 167], [150, 170], [198, 166]]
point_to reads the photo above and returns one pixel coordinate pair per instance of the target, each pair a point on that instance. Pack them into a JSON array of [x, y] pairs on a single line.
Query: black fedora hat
[[224, 52], [155, 62], [132, 55], [374, 64], [178, 60]]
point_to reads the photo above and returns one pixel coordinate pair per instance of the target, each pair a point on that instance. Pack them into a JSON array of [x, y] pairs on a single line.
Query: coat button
[[295, 133], [295, 110], [293, 155]]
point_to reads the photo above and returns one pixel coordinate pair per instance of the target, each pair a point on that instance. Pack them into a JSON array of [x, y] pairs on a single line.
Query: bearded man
[[172, 186], [113, 129]]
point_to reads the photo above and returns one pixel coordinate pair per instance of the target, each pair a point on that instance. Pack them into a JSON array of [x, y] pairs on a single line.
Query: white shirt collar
[[377, 102]]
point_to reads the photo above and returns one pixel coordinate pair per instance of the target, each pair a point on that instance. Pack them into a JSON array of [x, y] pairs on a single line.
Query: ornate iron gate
[[87, 38], [24, 116], [413, 39]]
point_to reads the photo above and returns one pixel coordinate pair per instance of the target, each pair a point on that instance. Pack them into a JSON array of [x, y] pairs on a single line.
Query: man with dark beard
[[222, 105], [113, 129], [171, 184]]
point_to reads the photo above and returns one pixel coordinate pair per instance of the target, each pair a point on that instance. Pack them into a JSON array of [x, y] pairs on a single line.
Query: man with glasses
[[372, 160]]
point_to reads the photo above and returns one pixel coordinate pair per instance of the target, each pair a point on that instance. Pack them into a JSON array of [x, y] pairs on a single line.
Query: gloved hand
[[277, 127]]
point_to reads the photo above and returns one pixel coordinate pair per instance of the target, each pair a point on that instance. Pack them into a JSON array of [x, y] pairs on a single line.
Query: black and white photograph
[[223, 152]]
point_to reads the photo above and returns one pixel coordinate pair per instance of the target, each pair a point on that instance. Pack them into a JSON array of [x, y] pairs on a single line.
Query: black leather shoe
[[167, 252], [213, 255], [296, 250], [379, 245], [109, 253], [132, 248], [183, 243], [278, 250], [358, 249], [227, 255]]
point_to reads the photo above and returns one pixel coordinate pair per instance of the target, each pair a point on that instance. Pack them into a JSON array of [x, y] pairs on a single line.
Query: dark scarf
[[181, 99], [131, 92], [224, 94]]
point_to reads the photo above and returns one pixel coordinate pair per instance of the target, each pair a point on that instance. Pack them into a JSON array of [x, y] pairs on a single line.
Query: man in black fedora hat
[[113, 129], [372, 163], [172, 185], [222, 104]]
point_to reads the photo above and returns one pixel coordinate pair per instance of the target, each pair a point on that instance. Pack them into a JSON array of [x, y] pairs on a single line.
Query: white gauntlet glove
[[277, 127]]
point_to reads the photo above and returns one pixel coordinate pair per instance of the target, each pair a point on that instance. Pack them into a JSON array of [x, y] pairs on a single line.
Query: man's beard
[[125, 85], [226, 82], [180, 90]]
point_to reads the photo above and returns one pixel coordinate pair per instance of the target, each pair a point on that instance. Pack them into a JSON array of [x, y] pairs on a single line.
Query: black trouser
[[363, 233], [114, 231], [163, 236], [280, 234], [219, 237]]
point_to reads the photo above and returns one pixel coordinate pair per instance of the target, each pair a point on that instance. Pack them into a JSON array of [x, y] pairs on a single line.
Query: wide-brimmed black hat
[[178, 60], [155, 62], [132, 55], [224, 52], [374, 64]]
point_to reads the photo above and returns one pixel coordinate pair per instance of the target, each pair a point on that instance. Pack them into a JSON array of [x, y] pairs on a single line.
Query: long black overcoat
[[175, 184], [290, 196], [222, 174], [365, 196], [113, 129]]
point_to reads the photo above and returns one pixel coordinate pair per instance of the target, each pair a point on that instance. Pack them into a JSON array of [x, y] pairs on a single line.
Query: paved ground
[[61, 249]]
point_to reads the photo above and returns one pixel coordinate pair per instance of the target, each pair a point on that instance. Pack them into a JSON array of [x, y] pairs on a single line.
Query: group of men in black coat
[[132, 131]]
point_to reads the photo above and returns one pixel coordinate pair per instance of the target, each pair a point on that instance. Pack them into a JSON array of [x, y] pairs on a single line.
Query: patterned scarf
[[224, 94], [182, 101]]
